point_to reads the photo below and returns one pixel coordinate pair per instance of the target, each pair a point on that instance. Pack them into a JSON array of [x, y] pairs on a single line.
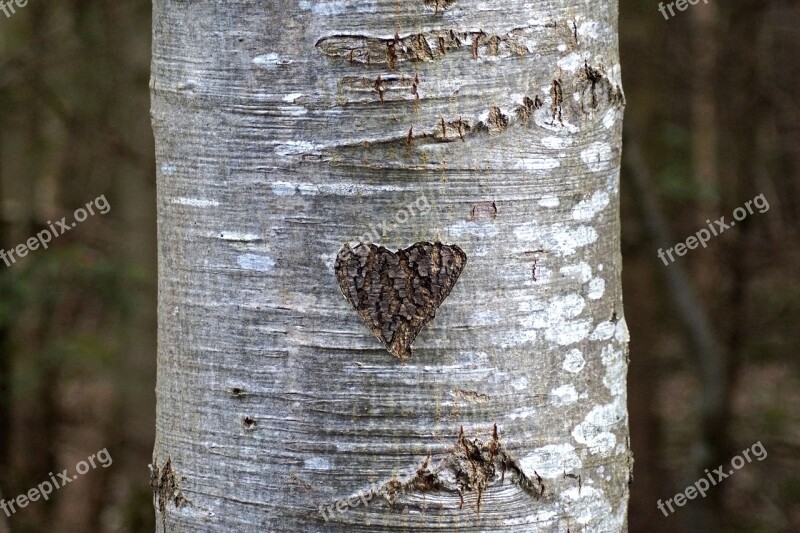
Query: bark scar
[[439, 5], [471, 466], [397, 293], [426, 46], [165, 483]]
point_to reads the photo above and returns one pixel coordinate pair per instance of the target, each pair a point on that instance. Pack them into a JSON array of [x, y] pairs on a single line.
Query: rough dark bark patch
[[482, 211], [165, 485], [397, 293], [431, 45], [471, 466], [439, 5]]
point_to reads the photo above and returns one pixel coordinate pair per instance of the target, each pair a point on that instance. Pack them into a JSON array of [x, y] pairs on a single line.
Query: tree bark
[[286, 130]]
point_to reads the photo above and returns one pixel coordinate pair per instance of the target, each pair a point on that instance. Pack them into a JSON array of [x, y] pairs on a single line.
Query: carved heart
[[397, 293]]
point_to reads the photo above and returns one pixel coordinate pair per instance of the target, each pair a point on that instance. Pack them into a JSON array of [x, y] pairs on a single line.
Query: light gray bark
[[286, 129]]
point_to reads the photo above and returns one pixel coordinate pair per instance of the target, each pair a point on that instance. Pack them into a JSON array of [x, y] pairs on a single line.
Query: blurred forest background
[[712, 120]]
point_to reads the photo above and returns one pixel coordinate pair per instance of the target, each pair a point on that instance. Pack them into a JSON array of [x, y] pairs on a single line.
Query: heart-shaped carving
[[397, 293]]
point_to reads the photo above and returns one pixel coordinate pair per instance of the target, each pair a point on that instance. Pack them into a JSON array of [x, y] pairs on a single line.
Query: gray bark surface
[[285, 130]]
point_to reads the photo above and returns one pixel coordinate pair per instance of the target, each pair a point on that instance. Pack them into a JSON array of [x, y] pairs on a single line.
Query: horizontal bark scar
[[384, 88], [471, 396], [425, 46], [439, 5], [472, 466]]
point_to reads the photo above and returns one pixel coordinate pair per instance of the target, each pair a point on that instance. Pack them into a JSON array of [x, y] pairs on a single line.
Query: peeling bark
[[283, 130]]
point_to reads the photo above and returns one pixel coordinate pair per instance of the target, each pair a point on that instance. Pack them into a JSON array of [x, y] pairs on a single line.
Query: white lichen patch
[[237, 237], [603, 331], [520, 384], [595, 511], [614, 74], [569, 306], [293, 110], [328, 9], [610, 118], [532, 305], [551, 461], [284, 188], [594, 430], [292, 97], [573, 361], [616, 369], [597, 157], [597, 287], [565, 240], [557, 319], [329, 261], [571, 62], [294, 148], [622, 334], [270, 60], [317, 463], [581, 272], [563, 395], [194, 202], [549, 201], [556, 143], [607, 354], [559, 239], [569, 332], [536, 163], [592, 30], [259, 263], [587, 209]]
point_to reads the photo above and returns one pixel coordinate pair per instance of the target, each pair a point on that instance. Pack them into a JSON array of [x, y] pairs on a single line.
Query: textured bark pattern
[[472, 466], [284, 130], [397, 293]]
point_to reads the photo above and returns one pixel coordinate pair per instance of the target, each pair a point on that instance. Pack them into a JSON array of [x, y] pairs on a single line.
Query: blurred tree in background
[[77, 321], [713, 118], [714, 108]]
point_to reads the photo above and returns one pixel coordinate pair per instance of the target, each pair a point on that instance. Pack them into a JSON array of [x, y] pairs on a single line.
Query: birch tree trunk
[[285, 130]]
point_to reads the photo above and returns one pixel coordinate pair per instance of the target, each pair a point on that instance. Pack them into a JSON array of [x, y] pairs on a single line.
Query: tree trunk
[[286, 130]]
